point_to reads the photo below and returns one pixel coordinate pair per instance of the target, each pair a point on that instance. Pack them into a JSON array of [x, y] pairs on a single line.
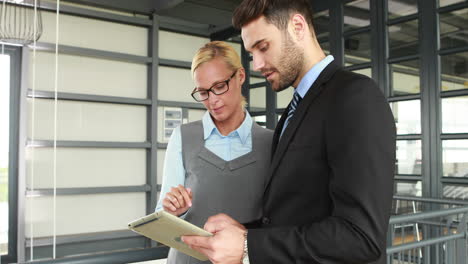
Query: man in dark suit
[[328, 198]]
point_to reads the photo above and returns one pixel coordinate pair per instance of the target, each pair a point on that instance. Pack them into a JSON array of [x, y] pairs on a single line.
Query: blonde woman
[[218, 164]]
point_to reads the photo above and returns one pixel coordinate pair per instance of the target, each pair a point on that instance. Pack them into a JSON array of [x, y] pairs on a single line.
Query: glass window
[[80, 217], [455, 158], [89, 121], [254, 80], [408, 188], [86, 75], [325, 47], [443, 3], [456, 192], [284, 97], [261, 120], [454, 69], [175, 84], [258, 98], [454, 29], [401, 8], [357, 49], [4, 149], [86, 167], [356, 14], [405, 78], [407, 116], [366, 71], [176, 46], [454, 115], [194, 115], [403, 39], [408, 154], [116, 37]]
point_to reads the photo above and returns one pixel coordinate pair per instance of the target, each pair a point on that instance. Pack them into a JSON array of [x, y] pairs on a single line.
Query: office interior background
[[77, 166]]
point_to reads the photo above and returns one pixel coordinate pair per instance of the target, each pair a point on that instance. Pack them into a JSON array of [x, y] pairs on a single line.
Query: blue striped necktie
[[292, 108]]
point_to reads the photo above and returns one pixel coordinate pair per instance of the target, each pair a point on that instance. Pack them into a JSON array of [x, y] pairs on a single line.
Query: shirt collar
[[243, 130], [311, 76]]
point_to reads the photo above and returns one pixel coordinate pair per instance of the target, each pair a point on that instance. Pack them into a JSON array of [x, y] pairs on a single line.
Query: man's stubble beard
[[290, 64]]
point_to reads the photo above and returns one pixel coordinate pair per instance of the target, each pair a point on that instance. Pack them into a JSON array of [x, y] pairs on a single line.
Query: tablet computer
[[167, 229]]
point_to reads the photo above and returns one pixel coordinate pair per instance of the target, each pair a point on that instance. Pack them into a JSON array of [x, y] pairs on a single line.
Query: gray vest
[[232, 187]]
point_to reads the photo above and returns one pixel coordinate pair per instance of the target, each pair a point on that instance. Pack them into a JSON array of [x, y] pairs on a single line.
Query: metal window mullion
[[430, 98], [453, 7], [223, 33], [393, 60], [152, 116], [255, 74], [462, 181], [402, 19], [88, 190], [454, 93], [130, 256], [180, 26], [357, 31], [92, 53], [271, 99], [174, 63], [258, 113], [14, 149], [162, 145], [89, 98], [280, 111], [460, 136], [430, 109], [400, 98], [408, 137], [83, 238], [86, 144], [258, 85], [379, 51], [323, 39], [453, 50], [357, 67], [336, 31], [197, 106], [23, 137], [88, 13], [245, 59], [408, 178]]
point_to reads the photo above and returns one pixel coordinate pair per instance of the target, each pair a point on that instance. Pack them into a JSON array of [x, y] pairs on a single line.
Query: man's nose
[[258, 63]]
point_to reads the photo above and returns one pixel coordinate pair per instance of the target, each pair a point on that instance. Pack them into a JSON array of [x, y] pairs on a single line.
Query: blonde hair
[[221, 50]]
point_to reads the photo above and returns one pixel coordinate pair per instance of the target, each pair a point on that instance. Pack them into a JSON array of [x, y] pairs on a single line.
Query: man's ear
[[298, 26]]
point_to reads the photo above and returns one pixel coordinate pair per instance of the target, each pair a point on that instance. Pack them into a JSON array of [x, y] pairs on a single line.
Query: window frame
[[15, 84]]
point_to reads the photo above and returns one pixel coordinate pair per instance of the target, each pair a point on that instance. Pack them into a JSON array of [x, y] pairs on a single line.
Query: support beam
[[336, 31], [224, 33], [245, 58]]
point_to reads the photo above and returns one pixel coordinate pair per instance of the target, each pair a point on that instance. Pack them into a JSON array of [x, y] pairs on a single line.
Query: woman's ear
[[241, 72]]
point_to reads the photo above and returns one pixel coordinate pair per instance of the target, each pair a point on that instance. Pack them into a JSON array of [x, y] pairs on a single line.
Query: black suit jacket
[[329, 195]]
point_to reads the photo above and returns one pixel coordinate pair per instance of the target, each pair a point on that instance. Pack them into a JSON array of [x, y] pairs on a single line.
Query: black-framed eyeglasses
[[218, 88]]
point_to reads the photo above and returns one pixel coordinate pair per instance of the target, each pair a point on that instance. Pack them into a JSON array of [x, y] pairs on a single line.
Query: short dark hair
[[276, 12]]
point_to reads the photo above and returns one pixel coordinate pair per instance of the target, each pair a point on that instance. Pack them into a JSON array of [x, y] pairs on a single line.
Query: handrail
[[396, 219], [430, 200], [424, 243]]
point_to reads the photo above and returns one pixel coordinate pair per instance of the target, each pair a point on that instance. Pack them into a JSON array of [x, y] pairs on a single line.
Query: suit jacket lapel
[[280, 145]]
